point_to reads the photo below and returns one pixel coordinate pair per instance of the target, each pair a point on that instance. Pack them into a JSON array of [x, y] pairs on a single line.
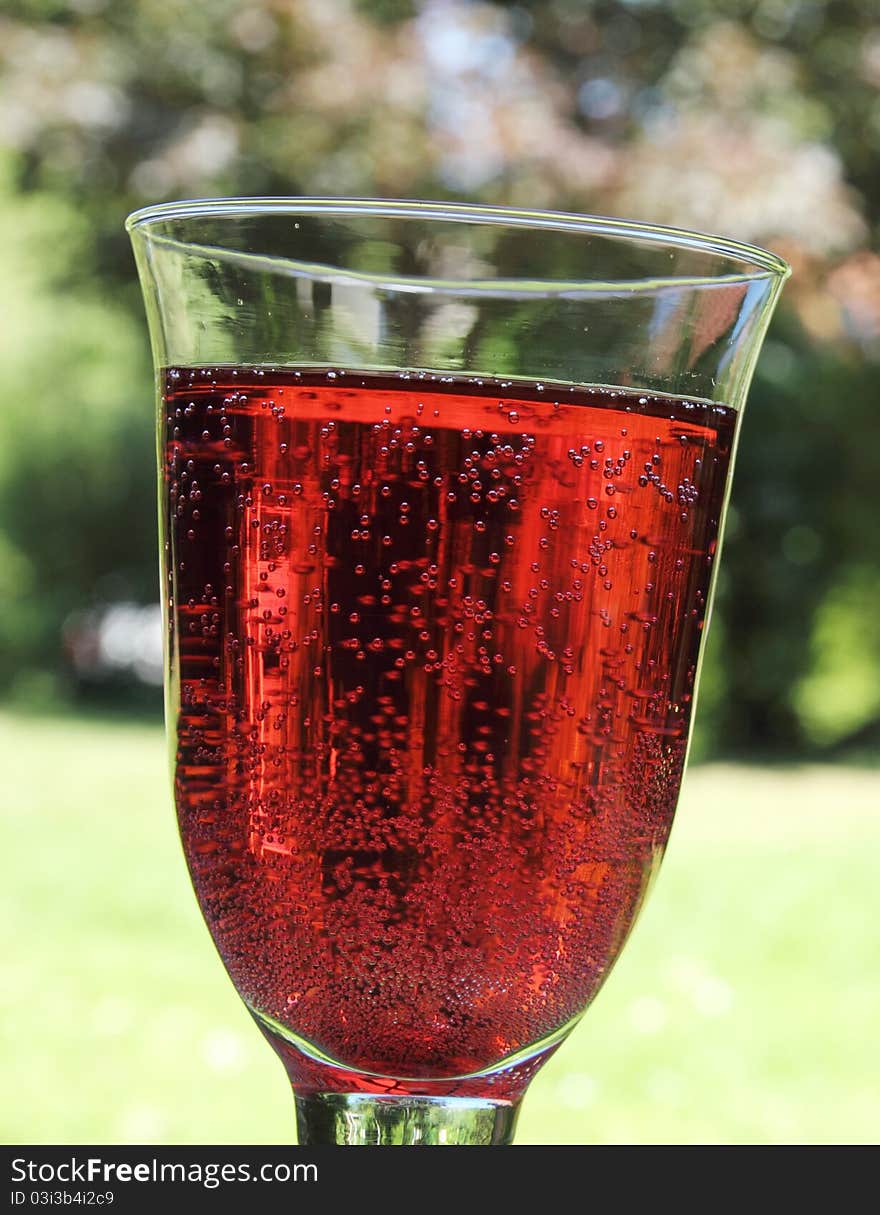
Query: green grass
[[745, 1009]]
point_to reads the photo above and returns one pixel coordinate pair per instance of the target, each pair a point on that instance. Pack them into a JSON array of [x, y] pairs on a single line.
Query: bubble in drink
[[433, 646]]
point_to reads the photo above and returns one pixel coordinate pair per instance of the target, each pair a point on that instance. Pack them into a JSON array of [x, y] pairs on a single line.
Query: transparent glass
[[441, 492]]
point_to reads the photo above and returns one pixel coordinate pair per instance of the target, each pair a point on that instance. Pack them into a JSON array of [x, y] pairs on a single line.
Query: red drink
[[434, 645]]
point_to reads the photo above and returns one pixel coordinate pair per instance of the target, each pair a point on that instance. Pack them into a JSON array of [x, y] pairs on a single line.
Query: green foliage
[[76, 467], [387, 11], [840, 692], [802, 530]]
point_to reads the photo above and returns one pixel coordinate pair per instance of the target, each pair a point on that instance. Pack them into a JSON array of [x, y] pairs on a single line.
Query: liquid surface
[[433, 654]]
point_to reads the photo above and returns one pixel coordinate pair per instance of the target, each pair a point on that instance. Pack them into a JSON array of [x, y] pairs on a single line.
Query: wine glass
[[441, 492]]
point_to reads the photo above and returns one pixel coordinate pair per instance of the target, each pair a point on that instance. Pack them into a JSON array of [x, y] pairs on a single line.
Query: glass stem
[[358, 1118]]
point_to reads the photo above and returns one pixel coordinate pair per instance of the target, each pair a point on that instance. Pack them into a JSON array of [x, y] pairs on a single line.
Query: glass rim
[[759, 263]]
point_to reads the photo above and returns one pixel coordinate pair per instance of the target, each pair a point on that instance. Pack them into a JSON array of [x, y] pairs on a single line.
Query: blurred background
[[745, 1009]]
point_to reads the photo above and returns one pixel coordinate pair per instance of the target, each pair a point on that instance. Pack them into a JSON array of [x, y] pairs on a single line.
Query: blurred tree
[[759, 118], [76, 475]]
